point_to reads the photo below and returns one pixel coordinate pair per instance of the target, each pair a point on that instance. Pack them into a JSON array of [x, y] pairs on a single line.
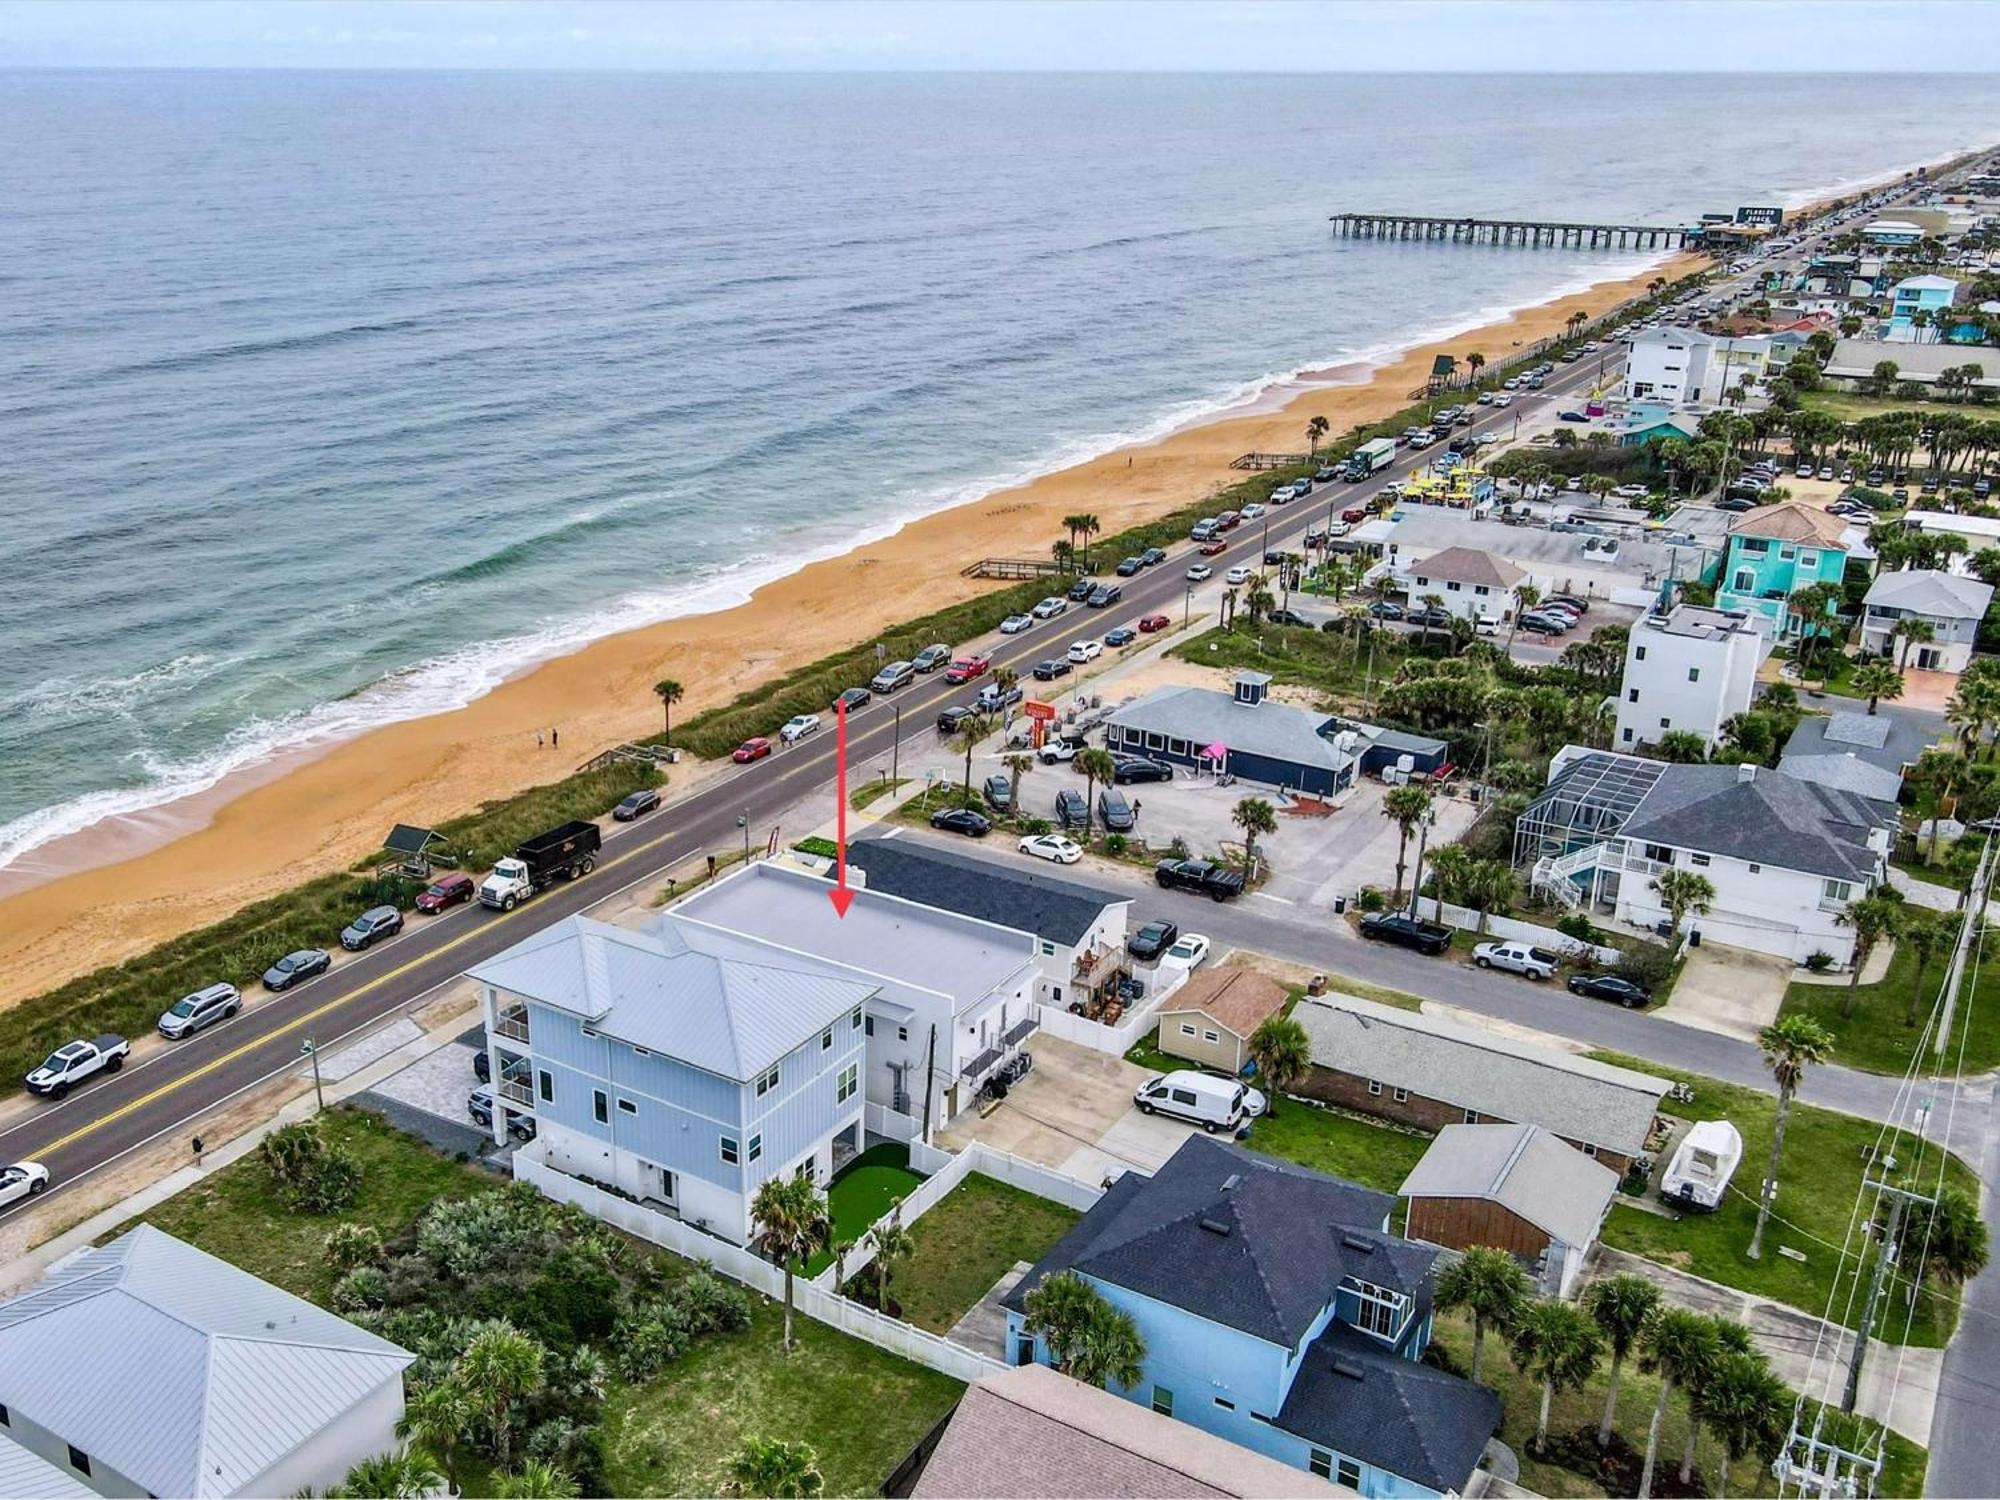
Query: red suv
[[447, 891], [966, 668], [1150, 623]]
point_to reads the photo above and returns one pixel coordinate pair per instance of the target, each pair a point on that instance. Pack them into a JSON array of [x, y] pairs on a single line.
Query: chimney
[[1745, 772]]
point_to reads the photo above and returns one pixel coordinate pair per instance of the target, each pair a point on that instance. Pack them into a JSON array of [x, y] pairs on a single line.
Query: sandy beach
[[119, 888]]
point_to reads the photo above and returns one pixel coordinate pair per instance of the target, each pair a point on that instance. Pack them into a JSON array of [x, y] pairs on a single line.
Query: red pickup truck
[[966, 668]]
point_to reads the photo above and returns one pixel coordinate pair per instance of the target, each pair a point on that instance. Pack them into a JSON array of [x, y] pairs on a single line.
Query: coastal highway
[[109, 1117]]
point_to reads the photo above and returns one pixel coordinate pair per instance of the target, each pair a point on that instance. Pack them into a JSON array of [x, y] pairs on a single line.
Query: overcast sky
[[1093, 35]]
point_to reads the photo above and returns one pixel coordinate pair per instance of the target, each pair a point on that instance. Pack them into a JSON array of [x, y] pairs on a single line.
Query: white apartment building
[[1472, 584], [1686, 367], [1691, 669]]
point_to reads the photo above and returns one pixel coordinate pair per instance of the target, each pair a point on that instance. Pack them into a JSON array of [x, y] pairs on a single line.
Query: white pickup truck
[[1517, 958], [73, 1062]]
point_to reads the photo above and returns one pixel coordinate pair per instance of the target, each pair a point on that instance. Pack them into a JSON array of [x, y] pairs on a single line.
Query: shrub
[[351, 1245], [710, 1304], [1819, 962], [647, 1341], [311, 1176], [1579, 926], [824, 848], [1369, 898], [362, 1287], [1647, 964], [1036, 827], [1115, 844], [1177, 848]]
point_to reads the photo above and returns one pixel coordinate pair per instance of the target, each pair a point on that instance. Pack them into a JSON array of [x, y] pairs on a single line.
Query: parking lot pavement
[[1074, 1095], [436, 1084], [1134, 1140]]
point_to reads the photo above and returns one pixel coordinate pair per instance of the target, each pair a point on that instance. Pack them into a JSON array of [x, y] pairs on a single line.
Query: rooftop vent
[[1251, 687], [1356, 1242], [1746, 772], [1231, 1180], [1216, 1226], [1351, 1371]]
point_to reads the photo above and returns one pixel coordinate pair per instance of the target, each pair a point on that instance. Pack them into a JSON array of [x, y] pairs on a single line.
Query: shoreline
[[131, 881]]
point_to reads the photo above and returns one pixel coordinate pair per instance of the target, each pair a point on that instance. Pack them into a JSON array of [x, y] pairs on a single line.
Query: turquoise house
[[1652, 421], [1280, 1313], [1773, 553], [1915, 294]]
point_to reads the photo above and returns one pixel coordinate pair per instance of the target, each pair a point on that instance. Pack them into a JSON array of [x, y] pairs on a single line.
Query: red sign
[[1036, 710]]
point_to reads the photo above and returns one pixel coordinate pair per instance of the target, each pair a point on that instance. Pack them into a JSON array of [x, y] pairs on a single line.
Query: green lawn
[[1940, 873], [1817, 1183], [1520, 1401], [1875, 1037], [235, 1214], [860, 1408], [862, 1193], [1313, 1136], [1851, 406], [968, 1242], [1332, 662], [874, 791]]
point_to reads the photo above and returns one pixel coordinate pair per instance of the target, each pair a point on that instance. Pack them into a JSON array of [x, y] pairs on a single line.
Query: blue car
[[1574, 416], [1124, 635]]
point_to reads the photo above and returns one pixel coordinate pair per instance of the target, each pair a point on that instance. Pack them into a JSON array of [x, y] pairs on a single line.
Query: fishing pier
[[1529, 233]]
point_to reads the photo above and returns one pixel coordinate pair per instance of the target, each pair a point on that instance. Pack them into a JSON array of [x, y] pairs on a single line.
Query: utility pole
[[1417, 882], [1975, 908], [319, 1094], [1899, 1200], [896, 745]]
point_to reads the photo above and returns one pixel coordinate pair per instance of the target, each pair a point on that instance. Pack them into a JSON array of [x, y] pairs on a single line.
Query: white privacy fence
[[881, 1120], [1509, 929], [1134, 1024]]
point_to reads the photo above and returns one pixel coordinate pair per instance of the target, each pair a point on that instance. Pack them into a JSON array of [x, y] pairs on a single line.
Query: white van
[[1201, 1099]]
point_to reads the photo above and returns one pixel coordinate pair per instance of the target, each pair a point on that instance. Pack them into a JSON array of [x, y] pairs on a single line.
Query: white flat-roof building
[[1691, 669]]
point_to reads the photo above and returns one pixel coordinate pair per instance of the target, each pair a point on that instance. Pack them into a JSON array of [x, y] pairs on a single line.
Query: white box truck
[[1372, 457]]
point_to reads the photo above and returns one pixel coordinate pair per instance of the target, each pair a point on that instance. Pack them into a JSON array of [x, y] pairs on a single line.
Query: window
[[728, 1146], [1809, 559], [1451, 588], [1187, 1029], [1401, 1096], [1627, 735], [5, 1420], [1700, 861], [1638, 653], [1753, 544], [1211, 1036], [1744, 582], [1378, 1312], [855, 1019], [600, 1106], [1163, 1401], [1786, 554], [767, 1082], [1374, 1088], [78, 1459], [902, 1033], [1694, 674], [1225, 1403], [1756, 869], [1155, 740], [849, 1081], [756, 1147], [1836, 890], [627, 1107], [1472, 1117], [1048, 949], [1024, 1351], [547, 1083], [869, 1029], [826, 1040], [1348, 1472], [1481, 590], [1321, 1463], [1666, 723], [1631, 695], [1589, 1150]]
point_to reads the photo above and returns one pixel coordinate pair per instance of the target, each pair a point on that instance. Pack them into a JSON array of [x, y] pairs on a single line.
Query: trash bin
[[1339, 905], [1316, 985]]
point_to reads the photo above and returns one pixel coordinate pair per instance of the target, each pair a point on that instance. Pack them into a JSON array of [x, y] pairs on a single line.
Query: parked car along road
[[967, 667], [1610, 987], [925, 661], [1517, 958], [202, 1009], [961, 820], [754, 748], [1218, 882], [852, 699], [1406, 932], [25, 1179], [1081, 652], [1190, 948], [1050, 607], [296, 968], [798, 726], [1152, 940], [73, 1062], [1052, 846], [374, 923], [1054, 667], [448, 891], [1015, 624]]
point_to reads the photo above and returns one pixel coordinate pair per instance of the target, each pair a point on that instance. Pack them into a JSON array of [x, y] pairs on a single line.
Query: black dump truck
[[560, 854]]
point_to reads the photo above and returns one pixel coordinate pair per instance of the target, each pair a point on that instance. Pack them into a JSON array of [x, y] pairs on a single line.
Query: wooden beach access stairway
[[1530, 233]]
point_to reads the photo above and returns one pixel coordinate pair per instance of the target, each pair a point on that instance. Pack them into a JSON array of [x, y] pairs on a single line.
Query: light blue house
[[1775, 551], [1277, 1312], [1929, 295], [680, 1065], [1652, 421]]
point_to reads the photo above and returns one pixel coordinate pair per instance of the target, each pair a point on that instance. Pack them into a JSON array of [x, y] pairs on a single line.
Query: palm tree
[[1254, 816], [1489, 884], [1259, 599], [1682, 746], [1928, 935], [403, 1475], [1018, 765], [1620, 1305], [1526, 597], [1683, 893], [1087, 526], [1406, 806], [439, 1417], [1912, 632], [500, 1368], [971, 732], [1316, 429], [1283, 1053], [893, 1243], [1947, 1243], [1748, 1409], [1731, 1337], [1790, 1045], [669, 692], [1097, 766], [1110, 1350], [1064, 553], [1875, 681], [536, 1479], [776, 1468], [1556, 1343], [1430, 602], [1475, 362], [1677, 1345], [1874, 917], [792, 1226], [1073, 525], [1490, 1285], [1058, 1312]]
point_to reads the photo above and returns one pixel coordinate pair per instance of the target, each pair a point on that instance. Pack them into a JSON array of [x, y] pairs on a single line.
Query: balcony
[[517, 1091], [512, 1024]]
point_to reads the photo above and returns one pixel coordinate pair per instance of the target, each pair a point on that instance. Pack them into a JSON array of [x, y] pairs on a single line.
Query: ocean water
[[327, 399]]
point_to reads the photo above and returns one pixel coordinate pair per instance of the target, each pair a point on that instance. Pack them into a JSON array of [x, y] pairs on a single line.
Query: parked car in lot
[[636, 805], [1015, 624], [25, 1179], [961, 820], [1203, 877], [450, 890], [1052, 846], [1114, 812], [202, 1009], [798, 726], [1386, 609], [1406, 932], [1568, 601], [1517, 958], [1203, 1099], [925, 661], [1190, 949], [1200, 573], [1050, 670], [1431, 616], [1050, 607], [1610, 987], [1540, 624], [73, 1062], [1127, 567], [852, 699], [1572, 416], [1153, 939], [1135, 768], [1057, 749], [479, 1105], [1081, 652], [1237, 576], [998, 792], [1071, 810], [755, 748], [967, 667], [296, 968], [1153, 624], [373, 924], [1288, 617], [1123, 635]]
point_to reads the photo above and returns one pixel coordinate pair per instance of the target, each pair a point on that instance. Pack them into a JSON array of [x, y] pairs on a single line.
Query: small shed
[[414, 851], [1210, 1019], [1517, 1188]]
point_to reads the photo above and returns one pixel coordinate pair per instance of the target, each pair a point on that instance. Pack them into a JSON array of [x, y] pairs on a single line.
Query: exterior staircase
[[1554, 876]]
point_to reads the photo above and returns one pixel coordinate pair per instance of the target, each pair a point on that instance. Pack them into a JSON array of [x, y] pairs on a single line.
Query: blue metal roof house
[[1278, 1312]]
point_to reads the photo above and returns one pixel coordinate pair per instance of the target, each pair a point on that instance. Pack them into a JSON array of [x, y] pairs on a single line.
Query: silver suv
[[376, 922], [192, 1013]]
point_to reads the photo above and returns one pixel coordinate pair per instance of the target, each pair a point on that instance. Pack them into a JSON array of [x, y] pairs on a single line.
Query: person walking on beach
[[538, 739], [555, 739]]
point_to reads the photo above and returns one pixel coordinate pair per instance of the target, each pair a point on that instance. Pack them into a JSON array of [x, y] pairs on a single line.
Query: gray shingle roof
[[674, 990], [1578, 1098], [1062, 911], [178, 1370], [1203, 716], [1522, 1168], [1240, 1239], [1031, 1434], [1769, 818], [1924, 591], [1355, 1396], [1468, 565]]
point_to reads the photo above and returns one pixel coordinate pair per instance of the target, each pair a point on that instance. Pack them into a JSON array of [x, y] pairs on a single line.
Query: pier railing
[[1269, 460], [1010, 567], [1532, 233]]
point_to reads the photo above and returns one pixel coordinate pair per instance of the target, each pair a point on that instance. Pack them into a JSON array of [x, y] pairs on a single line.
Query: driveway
[[1728, 990]]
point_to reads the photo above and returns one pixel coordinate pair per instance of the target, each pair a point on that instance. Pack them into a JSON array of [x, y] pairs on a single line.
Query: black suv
[[1104, 595], [1080, 590], [1217, 882], [953, 719], [1071, 810], [1126, 769], [1406, 932], [1152, 940]]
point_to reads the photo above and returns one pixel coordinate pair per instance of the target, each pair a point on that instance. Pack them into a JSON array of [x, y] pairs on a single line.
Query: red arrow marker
[[840, 895]]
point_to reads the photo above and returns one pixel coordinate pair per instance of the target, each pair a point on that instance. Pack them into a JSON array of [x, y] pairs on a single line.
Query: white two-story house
[[1950, 604], [1691, 669]]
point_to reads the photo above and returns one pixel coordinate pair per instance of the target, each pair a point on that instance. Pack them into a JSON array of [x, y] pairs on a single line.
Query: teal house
[[1773, 553]]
